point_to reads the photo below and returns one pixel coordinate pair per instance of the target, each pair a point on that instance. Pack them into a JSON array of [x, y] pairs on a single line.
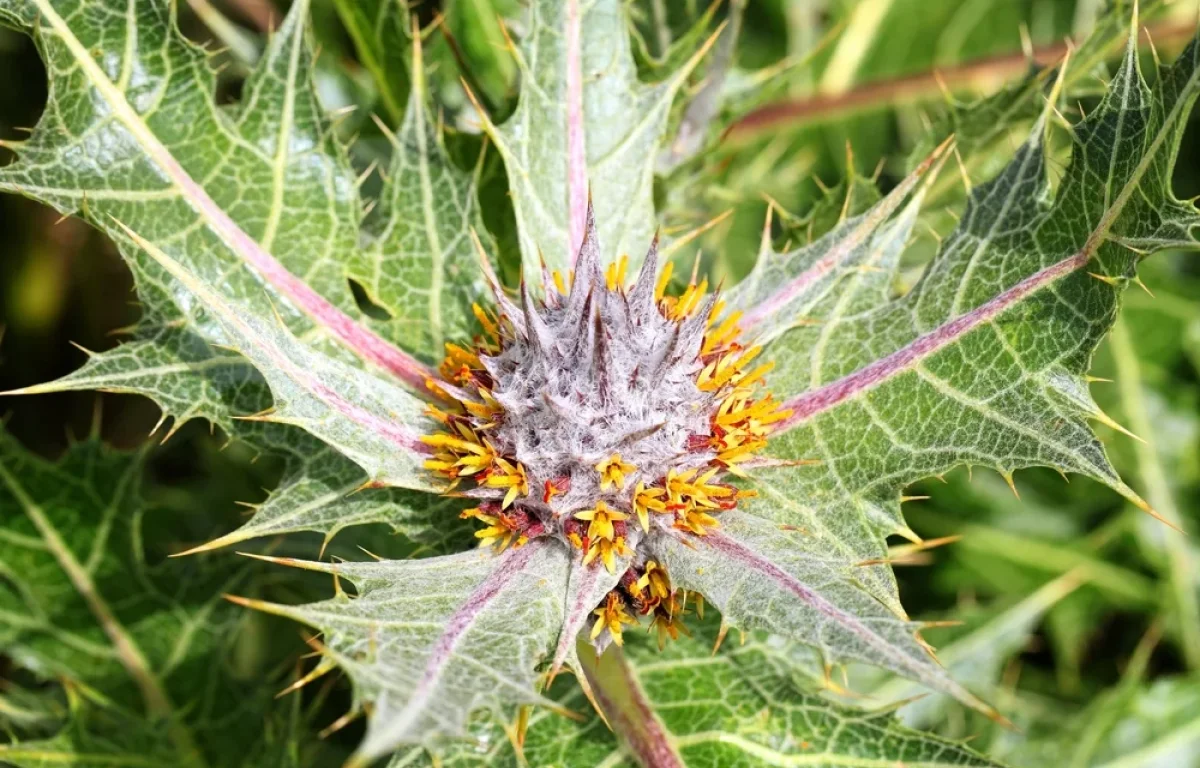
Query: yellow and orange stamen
[[613, 616]]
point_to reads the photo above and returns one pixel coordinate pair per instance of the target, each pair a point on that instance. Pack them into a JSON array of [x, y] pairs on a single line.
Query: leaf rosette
[[614, 439]]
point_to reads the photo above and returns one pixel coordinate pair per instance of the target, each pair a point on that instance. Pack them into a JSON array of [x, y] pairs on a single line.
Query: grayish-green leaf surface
[[269, 164], [114, 124], [983, 362], [621, 124], [743, 706], [428, 642], [787, 583], [417, 260], [850, 267]]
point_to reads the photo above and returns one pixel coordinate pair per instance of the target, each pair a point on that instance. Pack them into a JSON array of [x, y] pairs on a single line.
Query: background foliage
[[1078, 612]]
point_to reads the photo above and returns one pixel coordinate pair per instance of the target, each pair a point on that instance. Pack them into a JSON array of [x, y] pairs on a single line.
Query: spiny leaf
[[310, 194], [848, 198], [784, 288], [740, 706], [984, 361], [567, 137], [175, 368], [323, 492], [427, 642], [215, 188], [320, 489], [418, 262], [80, 601], [189, 236], [763, 578], [851, 268], [368, 419]]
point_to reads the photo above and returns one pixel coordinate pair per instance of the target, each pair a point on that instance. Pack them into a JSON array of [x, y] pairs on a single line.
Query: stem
[[620, 697], [922, 85], [243, 45], [1181, 568], [703, 108]]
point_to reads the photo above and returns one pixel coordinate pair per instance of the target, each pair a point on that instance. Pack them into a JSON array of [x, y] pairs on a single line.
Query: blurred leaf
[[1182, 566], [381, 31], [1130, 727], [975, 654], [82, 601]]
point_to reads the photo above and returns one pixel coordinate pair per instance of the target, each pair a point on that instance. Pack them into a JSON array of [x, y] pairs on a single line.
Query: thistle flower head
[[603, 414]]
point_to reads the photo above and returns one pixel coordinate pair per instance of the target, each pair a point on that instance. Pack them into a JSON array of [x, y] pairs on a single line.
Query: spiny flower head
[[603, 414]]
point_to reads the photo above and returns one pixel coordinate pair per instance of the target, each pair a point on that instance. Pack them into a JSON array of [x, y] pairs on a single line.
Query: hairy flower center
[[603, 415]]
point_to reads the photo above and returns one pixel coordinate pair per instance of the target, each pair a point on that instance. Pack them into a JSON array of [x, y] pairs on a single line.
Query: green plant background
[[1070, 598]]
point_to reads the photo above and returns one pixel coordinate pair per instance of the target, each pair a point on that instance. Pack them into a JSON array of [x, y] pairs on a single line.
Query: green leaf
[[381, 32], [985, 129], [27, 712], [71, 531], [427, 642], [849, 198], [741, 706], [96, 732], [218, 186], [300, 183], [366, 418], [1130, 726], [984, 361], [96, 735], [86, 597], [270, 166], [1182, 566], [583, 125], [851, 267], [974, 654], [320, 490], [242, 225], [178, 370], [761, 577], [418, 262]]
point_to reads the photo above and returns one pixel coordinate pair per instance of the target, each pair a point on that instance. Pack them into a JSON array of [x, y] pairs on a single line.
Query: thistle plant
[[633, 443]]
